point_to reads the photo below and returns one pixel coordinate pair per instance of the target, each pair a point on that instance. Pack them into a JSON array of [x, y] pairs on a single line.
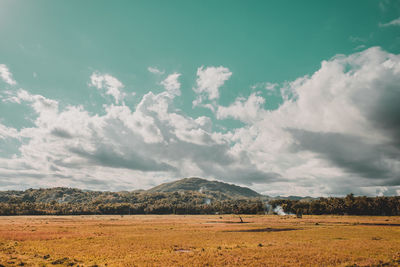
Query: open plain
[[199, 240]]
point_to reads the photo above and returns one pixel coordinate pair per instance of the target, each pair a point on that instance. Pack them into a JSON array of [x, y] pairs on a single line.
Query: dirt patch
[[60, 261], [264, 230], [182, 250], [226, 222], [380, 224]]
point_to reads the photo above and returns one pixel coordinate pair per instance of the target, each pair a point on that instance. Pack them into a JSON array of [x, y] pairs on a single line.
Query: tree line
[[349, 205], [70, 201], [67, 201]]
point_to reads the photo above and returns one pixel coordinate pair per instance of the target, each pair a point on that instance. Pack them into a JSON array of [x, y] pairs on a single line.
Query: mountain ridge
[[204, 185], [216, 189], [189, 186]]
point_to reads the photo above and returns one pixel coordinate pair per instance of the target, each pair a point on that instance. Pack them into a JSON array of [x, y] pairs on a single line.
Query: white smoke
[[268, 208], [279, 210], [202, 189]]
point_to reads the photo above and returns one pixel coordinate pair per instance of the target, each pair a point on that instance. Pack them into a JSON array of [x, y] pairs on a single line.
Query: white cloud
[[343, 119], [7, 132], [360, 47], [265, 85], [155, 70], [395, 22], [246, 110], [208, 82], [112, 85], [6, 75], [134, 147], [271, 86], [172, 84], [45, 108], [336, 131]]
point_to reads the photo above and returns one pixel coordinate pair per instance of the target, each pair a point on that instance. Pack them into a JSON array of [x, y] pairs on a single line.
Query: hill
[[192, 187], [205, 186], [186, 196], [72, 201]]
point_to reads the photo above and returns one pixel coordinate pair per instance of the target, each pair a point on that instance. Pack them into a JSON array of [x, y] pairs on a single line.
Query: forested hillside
[[184, 200], [75, 201], [203, 185]]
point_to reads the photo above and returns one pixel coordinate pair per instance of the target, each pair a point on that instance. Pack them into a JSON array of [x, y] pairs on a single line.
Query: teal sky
[[53, 47], [63, 42]]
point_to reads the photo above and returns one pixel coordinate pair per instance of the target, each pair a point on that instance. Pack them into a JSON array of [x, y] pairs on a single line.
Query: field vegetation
[[199, 240]]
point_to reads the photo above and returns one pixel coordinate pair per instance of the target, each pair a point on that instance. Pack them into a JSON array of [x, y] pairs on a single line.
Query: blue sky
[[288, 98]]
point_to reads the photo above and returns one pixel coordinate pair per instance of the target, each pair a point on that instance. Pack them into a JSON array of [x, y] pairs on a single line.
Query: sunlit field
[[204, 240]]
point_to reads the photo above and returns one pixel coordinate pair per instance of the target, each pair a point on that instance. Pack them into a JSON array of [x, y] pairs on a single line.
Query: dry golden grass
[[199, 241]]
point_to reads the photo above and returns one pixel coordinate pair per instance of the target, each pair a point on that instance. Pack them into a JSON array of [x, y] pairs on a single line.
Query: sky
[[284, 97]]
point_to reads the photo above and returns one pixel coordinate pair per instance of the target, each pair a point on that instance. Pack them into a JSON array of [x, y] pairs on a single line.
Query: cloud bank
[[6, 75], [395, 22], [337, 131]]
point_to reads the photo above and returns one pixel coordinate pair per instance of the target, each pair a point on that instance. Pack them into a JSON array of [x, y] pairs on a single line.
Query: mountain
[[193, 188], [205, 186]]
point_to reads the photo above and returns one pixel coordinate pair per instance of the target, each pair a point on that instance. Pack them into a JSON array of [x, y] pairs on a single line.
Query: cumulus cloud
[[7, 132], [155, 70], [124, 147], [336, 131], [245, 110], [6, 75], [208, 82], [106, 156], [111, 84], [172, 84], [354, 154], [338, 125], [395, 22]]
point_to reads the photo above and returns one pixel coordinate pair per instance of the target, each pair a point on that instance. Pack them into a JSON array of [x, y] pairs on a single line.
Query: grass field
[[202, 240]]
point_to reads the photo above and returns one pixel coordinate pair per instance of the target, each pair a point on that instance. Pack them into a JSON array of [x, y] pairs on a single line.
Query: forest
[[349, 205], [70, 201]]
